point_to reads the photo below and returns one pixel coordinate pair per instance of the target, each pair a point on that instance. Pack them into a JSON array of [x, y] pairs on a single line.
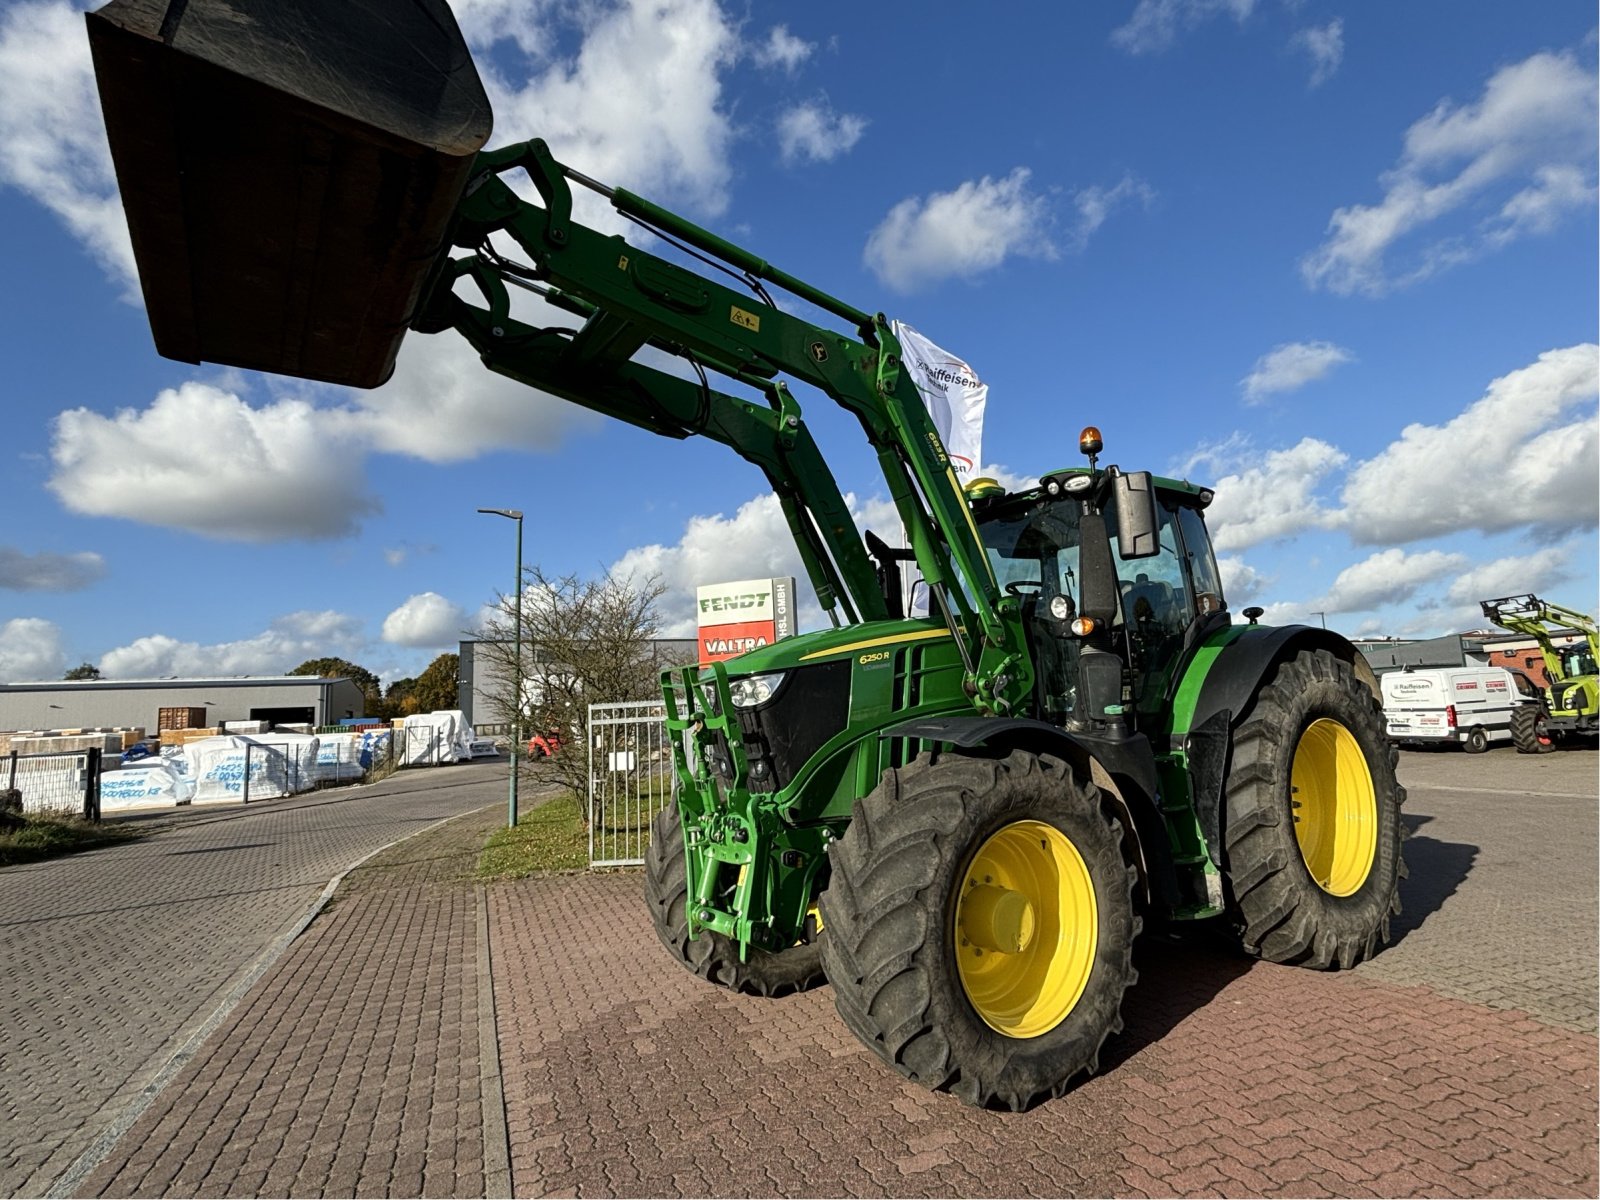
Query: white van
[[1470, 706]]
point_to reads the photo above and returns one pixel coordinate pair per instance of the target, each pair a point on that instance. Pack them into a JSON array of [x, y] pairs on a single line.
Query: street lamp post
[[516, 664]]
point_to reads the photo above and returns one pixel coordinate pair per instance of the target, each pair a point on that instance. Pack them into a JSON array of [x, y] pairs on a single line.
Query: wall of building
[[92, 703], [481, 690], [1523, 655]]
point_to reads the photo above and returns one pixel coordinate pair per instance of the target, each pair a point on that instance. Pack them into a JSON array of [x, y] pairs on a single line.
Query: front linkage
[[730, 831]]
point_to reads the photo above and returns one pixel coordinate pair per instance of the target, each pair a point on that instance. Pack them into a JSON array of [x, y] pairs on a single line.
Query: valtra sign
[[742, 616]]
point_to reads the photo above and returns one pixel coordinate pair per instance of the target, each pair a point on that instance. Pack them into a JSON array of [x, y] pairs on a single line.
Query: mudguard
[[1225, 692]]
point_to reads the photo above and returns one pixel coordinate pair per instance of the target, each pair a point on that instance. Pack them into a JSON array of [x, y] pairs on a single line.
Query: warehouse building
[[137, 703]]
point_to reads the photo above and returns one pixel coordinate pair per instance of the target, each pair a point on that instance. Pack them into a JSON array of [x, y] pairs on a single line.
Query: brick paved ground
[[114, 957], [1459, 1063], [353, 1067]]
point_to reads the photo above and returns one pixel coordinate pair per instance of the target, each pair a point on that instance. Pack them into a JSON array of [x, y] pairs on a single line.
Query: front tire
[[1312, 830], [712, 956], [978, 926], [1529, 731]]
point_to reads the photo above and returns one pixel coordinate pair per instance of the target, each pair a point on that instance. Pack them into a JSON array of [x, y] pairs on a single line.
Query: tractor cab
[[1168, 592]]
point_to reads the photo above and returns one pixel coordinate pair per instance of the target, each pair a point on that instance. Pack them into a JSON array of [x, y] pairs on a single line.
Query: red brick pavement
[[352, 1068], [625, 1075]]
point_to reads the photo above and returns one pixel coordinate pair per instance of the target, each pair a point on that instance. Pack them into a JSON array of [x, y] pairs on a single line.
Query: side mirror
[[1135, 498]]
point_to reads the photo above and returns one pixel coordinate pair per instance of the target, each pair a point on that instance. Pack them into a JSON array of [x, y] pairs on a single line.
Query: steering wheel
[[1023, 588]]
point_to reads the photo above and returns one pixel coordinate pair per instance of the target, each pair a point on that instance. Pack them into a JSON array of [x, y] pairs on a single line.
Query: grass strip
[[48, 835], [549, 837]]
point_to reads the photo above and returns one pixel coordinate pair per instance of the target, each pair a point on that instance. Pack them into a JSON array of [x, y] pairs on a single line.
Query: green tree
[[340, 668], [436, 687], [83, 671]]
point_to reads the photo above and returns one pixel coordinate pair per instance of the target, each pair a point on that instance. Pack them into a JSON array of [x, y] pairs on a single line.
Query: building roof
[[52, 685]]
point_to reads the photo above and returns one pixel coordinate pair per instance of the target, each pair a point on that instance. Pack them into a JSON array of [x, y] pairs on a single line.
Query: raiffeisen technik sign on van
[[736, 617]]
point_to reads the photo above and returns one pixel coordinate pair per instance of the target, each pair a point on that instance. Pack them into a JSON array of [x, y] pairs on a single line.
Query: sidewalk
[[356, 1066]]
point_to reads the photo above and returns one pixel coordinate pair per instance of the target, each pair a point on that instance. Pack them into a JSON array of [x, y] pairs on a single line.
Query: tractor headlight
[[752, 691]]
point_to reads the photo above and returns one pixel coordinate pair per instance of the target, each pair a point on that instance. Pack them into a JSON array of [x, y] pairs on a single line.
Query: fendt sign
[[741, 616]]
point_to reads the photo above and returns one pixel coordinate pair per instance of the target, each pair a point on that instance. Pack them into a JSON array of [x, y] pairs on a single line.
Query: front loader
[[960, 821], [1571, 706]]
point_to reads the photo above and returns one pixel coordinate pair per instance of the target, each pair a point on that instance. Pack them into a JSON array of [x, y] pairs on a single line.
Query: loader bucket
[[289, 169]]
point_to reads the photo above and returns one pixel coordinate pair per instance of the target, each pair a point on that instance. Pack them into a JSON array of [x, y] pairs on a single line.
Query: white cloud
[[640, 103], [203, 460], [30, 649], [285, 643], [1241, 583], [52, 141], [754, 543], [1325, 46], [960, 233], [1155, 24], [1519, 158], [47, 572], [1094, 204], [1507, 462], [782, 49], [1387, 577], [1275, 499], [1537, 572], [443, 405], [1291, 366], [427, 621], [813, 132]]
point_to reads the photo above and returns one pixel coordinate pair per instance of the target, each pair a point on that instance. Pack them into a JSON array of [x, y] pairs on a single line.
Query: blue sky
[[1337, 260]]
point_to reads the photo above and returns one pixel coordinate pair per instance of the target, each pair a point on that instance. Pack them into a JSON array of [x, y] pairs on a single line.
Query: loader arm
[[1536, 618], [630, 299]]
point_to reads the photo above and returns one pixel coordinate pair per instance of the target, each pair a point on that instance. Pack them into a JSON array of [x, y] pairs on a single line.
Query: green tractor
[[961, 821], [1571, 705]]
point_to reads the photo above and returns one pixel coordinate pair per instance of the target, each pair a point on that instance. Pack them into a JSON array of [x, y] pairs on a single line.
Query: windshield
[[1033, 550], [1577, 662]]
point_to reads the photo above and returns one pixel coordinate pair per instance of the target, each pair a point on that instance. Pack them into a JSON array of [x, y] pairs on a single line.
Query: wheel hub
[[997, 918], [1025, 927]]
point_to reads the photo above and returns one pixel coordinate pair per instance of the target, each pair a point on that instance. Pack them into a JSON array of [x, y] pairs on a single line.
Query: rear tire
[[712, 956], [1312, 830], [903, 926], [1528, 730], [1477, 740]]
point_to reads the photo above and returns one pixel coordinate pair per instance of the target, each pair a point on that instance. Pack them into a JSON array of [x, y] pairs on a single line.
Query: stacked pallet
[[110, 740]]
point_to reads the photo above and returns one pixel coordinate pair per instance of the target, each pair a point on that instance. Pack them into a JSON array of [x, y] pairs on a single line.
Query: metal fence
[[630, 779], [67, 782]]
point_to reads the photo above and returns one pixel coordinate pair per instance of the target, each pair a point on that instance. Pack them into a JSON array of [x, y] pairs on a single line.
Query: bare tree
[[584, 641]]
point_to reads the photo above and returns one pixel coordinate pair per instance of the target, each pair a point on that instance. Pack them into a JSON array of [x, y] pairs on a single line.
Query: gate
[[630, 779]]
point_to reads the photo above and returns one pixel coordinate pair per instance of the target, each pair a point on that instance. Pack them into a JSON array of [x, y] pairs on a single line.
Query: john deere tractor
[[961, 821], [1571, 706]]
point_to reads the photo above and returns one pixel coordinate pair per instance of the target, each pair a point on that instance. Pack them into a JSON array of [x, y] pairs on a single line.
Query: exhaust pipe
[[289, 169]]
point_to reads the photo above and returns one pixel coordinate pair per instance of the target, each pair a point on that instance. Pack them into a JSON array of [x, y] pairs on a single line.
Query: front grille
[[812, 705]]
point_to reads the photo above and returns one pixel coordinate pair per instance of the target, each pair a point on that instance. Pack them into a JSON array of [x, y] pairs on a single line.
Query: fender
[[1127, 760], [1217, 699]]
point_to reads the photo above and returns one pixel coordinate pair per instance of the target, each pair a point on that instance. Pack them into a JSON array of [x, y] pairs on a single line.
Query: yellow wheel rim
[[1335, 807], [1025, 929]]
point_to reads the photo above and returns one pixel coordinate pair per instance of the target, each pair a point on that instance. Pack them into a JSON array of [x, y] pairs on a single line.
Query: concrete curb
[[496, 1137], [112, 1133]]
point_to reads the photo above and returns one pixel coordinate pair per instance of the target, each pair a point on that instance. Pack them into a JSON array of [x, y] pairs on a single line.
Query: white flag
[[954, 396]]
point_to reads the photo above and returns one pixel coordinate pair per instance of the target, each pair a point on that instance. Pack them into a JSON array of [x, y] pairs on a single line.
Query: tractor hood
[[825, 645]]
